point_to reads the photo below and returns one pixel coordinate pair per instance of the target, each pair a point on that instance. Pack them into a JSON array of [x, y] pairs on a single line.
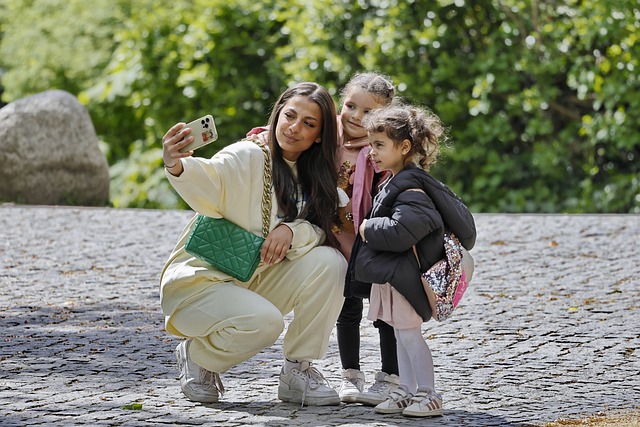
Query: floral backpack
[[447, 280]]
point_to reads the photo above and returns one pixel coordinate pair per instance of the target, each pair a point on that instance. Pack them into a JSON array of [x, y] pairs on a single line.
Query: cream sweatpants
[[229, 323]]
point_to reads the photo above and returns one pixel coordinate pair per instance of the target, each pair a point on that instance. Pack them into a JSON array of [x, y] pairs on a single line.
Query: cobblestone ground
[[547, 330]]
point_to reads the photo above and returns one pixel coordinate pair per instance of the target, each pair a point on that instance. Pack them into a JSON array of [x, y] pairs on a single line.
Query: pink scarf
[[361, 199]]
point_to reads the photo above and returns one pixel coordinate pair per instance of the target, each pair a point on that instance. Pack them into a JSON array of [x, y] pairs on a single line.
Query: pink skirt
[[388, 305]]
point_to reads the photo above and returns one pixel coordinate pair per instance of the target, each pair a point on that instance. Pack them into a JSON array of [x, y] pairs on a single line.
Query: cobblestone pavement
[[547, 330]]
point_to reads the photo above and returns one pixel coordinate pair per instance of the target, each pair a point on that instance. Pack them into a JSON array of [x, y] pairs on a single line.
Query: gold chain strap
[[266, 191]]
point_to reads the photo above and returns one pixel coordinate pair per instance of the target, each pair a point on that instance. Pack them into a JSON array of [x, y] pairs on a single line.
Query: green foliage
[[48, 44], [195, 57], [139, 182], [540, 97]]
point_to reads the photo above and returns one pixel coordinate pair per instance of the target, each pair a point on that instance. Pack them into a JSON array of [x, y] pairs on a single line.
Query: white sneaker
[[380, 390], [397, 401], [352, 385], [425, 404], [306, 385], [198, 384]]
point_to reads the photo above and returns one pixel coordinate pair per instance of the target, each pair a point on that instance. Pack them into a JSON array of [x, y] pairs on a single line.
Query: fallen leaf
[[134, 406]]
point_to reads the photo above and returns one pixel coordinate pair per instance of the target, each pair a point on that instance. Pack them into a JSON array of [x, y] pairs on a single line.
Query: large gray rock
[[49, 153]]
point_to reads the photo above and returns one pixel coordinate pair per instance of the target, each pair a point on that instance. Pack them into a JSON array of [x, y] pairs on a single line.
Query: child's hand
[[361, 229]]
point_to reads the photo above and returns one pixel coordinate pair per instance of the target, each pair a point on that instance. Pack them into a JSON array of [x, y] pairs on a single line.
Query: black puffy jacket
[[400, 219]]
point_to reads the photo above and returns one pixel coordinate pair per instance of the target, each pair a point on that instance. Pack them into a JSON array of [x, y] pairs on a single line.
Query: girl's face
[[386, 154], [299, 126], [357, 103]]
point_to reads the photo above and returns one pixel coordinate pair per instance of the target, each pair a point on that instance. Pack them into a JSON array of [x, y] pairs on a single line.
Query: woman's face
[[356, 105], [299, 126]]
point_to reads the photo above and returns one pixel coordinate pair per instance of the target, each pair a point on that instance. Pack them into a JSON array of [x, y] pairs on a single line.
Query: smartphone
[[203, 131]]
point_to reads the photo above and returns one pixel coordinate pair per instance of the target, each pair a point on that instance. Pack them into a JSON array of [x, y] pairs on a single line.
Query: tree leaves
[[541, 99]]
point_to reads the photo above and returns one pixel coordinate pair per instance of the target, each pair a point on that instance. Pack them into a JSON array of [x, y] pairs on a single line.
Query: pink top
[[355, 176]]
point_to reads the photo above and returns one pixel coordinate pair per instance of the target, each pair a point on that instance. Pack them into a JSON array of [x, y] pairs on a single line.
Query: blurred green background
[[541, 97]]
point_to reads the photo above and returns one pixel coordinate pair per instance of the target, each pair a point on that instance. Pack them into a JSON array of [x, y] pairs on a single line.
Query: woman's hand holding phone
[[182, 139], [173, 141]]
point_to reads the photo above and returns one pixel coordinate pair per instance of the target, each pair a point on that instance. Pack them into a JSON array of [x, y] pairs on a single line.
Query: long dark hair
[[316, 166]]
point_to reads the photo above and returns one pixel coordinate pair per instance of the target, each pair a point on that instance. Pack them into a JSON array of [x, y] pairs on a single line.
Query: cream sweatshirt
[[229, 185]]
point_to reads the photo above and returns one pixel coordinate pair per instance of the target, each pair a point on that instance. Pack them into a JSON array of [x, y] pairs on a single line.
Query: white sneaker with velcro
[[380, 390], [352, 385]]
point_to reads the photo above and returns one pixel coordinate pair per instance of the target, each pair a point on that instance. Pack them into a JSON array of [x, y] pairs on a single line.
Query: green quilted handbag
[[228, 247]]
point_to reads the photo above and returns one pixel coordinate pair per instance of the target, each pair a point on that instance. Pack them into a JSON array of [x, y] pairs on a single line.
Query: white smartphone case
[[203, 131]]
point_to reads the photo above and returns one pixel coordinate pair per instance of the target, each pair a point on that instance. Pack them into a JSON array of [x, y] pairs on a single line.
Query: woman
[[226, 322]]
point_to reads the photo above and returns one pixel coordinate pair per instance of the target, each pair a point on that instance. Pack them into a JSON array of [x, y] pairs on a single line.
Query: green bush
[[540, 98]]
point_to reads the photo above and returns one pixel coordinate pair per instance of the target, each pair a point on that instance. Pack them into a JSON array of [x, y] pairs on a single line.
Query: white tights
[[415, 362]]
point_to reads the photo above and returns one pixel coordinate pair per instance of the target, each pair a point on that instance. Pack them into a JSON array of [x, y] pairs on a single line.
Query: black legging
[[348, 328]]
